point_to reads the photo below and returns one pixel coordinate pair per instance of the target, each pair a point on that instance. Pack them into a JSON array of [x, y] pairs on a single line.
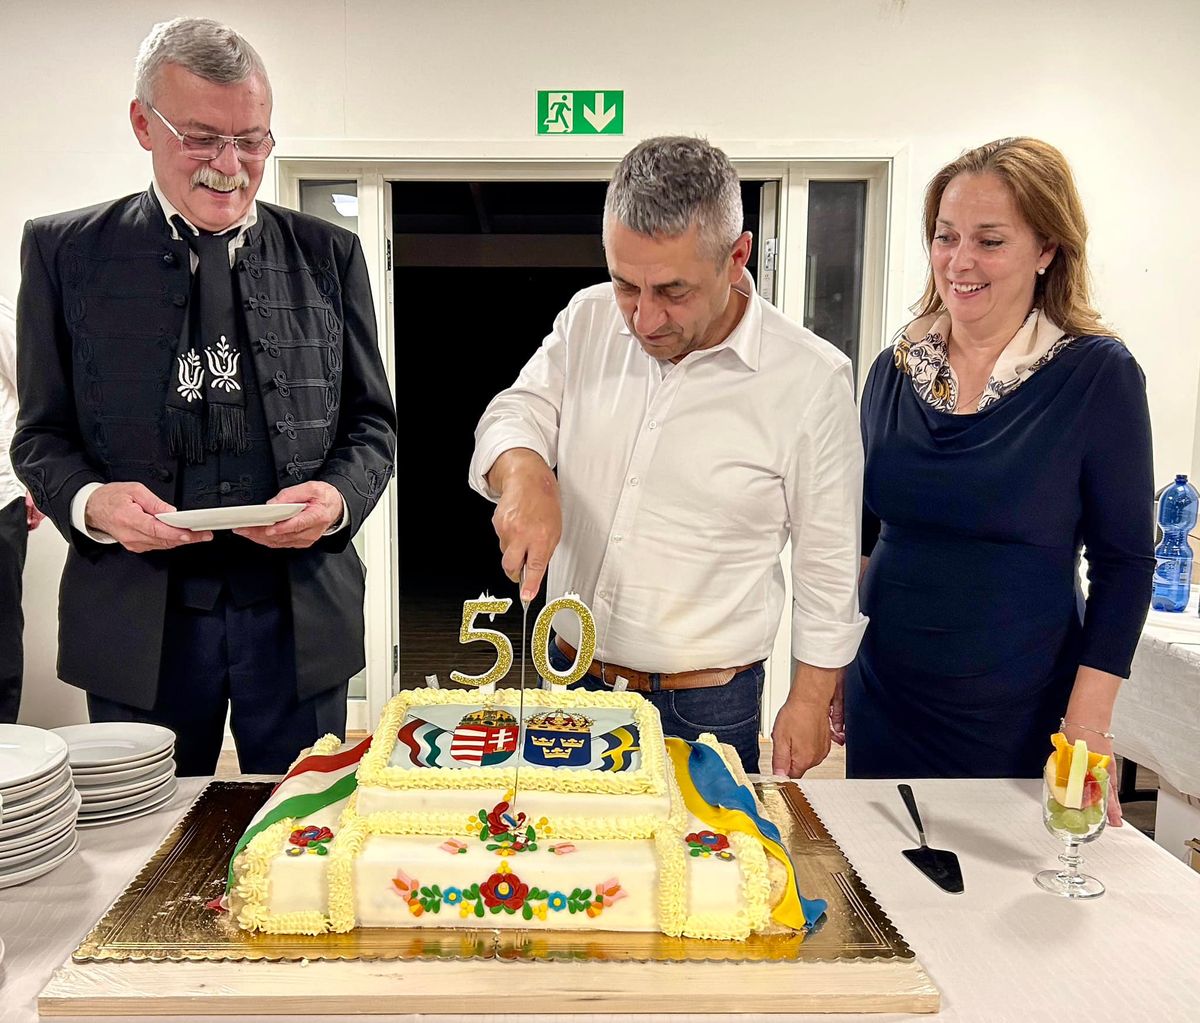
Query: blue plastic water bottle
[[1177, 506]]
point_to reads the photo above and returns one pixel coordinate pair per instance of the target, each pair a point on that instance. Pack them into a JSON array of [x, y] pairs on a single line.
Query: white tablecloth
[[1003, 951], [1156, 719]]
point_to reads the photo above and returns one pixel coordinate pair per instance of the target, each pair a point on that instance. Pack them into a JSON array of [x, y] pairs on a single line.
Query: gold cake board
[[159, 951]]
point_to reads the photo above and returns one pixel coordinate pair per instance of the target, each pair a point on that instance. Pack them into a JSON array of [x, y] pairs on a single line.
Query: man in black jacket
[[188, 347]]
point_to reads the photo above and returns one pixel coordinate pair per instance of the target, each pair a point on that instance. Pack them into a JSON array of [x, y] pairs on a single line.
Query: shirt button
[[653, 424], [225, 487], [617, 538], [179, 300], [604, 594], [634, 481]]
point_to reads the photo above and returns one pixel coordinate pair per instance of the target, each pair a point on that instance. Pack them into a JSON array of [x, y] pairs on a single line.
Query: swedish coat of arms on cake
[[481, 807]]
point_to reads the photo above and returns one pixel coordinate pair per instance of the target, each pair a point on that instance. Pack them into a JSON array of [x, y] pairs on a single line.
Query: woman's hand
[[1097, 743], [1088, 717]]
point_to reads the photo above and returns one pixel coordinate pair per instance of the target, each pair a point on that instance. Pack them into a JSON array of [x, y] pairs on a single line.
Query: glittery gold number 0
[[587, 641], [467, 633]]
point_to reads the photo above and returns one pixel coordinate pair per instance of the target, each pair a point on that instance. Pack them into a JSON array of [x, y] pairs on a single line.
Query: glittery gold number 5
[[587, 641], [467, 633]]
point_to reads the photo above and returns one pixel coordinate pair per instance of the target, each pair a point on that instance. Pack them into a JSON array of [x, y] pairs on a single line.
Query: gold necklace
[[973, 399]]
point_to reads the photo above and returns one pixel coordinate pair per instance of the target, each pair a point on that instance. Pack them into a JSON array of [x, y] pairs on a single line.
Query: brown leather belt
[[639, 681]]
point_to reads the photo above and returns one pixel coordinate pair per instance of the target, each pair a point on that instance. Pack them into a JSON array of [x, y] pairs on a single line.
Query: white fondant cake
[[610, 831]]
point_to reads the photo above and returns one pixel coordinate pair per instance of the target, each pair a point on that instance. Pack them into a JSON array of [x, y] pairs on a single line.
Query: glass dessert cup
[[1074, 828]]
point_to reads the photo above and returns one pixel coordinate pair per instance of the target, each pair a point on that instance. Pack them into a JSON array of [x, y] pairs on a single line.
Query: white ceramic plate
[[94, 793], [38, 869], [53, 843], [130, 768], [30, 789], [46, 802], [27, 753], [93, 806], [36, 829], [235, 517], [125, 814], [110, 743]]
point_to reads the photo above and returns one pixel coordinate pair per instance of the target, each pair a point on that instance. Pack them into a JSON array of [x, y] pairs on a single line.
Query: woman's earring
[[1041, 271]]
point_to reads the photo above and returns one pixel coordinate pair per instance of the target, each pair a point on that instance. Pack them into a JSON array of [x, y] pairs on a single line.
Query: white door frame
[[374, 164]]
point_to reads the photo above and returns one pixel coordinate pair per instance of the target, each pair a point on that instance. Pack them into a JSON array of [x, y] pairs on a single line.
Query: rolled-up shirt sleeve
[[824, 492], [527, 414]]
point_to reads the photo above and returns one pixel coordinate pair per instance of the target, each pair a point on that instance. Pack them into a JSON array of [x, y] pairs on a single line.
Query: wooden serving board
[[399, 987], [159, 952]]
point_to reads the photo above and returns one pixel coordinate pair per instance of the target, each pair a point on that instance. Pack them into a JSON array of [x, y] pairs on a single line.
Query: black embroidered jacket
[[104, 296]]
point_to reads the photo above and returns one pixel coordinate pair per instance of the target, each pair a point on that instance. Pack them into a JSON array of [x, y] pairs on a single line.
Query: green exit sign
[[581, 112]]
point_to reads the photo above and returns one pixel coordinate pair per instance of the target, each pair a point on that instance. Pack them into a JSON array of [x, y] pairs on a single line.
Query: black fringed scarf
[[206, 404]]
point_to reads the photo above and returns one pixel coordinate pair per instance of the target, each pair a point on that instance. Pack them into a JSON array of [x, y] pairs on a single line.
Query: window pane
[[335, 201], [834, 269]]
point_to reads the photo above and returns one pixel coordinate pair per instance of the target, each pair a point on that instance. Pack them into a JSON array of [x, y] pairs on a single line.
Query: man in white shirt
[[18, 517], [695, 431]]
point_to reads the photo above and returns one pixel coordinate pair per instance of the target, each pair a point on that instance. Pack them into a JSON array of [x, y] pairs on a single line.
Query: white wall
[[1112, 83]]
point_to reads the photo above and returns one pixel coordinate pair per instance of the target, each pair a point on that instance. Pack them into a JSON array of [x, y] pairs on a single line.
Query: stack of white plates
[[37, 821], [122, 769]]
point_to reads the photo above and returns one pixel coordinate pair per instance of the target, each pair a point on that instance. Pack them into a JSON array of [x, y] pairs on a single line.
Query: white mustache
[[206, 175]]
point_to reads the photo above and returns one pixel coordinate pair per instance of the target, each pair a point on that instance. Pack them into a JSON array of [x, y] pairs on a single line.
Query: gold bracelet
[[1063, 722]]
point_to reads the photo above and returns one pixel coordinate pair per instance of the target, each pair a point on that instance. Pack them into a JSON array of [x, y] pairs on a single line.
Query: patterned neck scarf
[[926, 360]]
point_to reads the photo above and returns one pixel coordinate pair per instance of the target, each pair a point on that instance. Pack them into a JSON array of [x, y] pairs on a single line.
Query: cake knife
[[521, 696]]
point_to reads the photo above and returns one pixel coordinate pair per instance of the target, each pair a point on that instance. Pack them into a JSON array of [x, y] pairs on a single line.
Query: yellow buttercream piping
[[347, 846], [326, 745], [672, 882], [756, 879], [717, 926], [251, 887], [567, 827], [300, 922]]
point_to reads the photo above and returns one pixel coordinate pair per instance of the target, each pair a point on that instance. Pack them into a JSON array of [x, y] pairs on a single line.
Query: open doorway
[[480, 270]]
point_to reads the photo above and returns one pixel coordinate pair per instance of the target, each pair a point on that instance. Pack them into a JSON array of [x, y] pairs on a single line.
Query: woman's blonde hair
[[1043, 186]]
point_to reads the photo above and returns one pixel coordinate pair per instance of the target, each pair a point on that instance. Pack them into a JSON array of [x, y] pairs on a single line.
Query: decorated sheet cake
[[477, 807]]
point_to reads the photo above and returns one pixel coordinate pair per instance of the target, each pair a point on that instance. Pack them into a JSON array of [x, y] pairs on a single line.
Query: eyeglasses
[[209, 146]]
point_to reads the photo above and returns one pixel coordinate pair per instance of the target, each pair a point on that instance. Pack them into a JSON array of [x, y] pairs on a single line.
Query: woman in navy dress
[[1005, 432]]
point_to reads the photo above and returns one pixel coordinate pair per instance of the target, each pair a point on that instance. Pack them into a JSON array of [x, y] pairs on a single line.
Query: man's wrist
[[813, 686], [511, 463], [79, 514]]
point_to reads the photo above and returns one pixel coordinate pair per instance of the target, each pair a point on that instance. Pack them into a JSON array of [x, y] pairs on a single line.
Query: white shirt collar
[[170, 212], [745, 340]]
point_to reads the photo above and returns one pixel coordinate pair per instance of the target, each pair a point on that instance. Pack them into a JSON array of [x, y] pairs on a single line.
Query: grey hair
[[666, 184], [206, 48]]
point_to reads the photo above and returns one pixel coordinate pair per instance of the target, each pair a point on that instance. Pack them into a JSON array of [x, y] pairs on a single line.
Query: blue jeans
[[731, 712]]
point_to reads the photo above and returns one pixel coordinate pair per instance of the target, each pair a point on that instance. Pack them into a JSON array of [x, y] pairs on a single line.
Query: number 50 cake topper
[[493, 606]]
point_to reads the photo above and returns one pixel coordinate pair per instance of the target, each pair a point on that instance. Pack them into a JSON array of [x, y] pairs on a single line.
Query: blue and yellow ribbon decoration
[[711, 794]]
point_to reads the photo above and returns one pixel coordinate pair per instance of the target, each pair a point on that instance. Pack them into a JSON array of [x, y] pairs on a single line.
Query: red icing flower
[[505, 890], [310, 834], [500, 821], [708, 839]]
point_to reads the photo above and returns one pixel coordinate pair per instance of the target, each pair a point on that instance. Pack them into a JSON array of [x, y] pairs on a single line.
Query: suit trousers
[[14, 538], [240, 660]]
